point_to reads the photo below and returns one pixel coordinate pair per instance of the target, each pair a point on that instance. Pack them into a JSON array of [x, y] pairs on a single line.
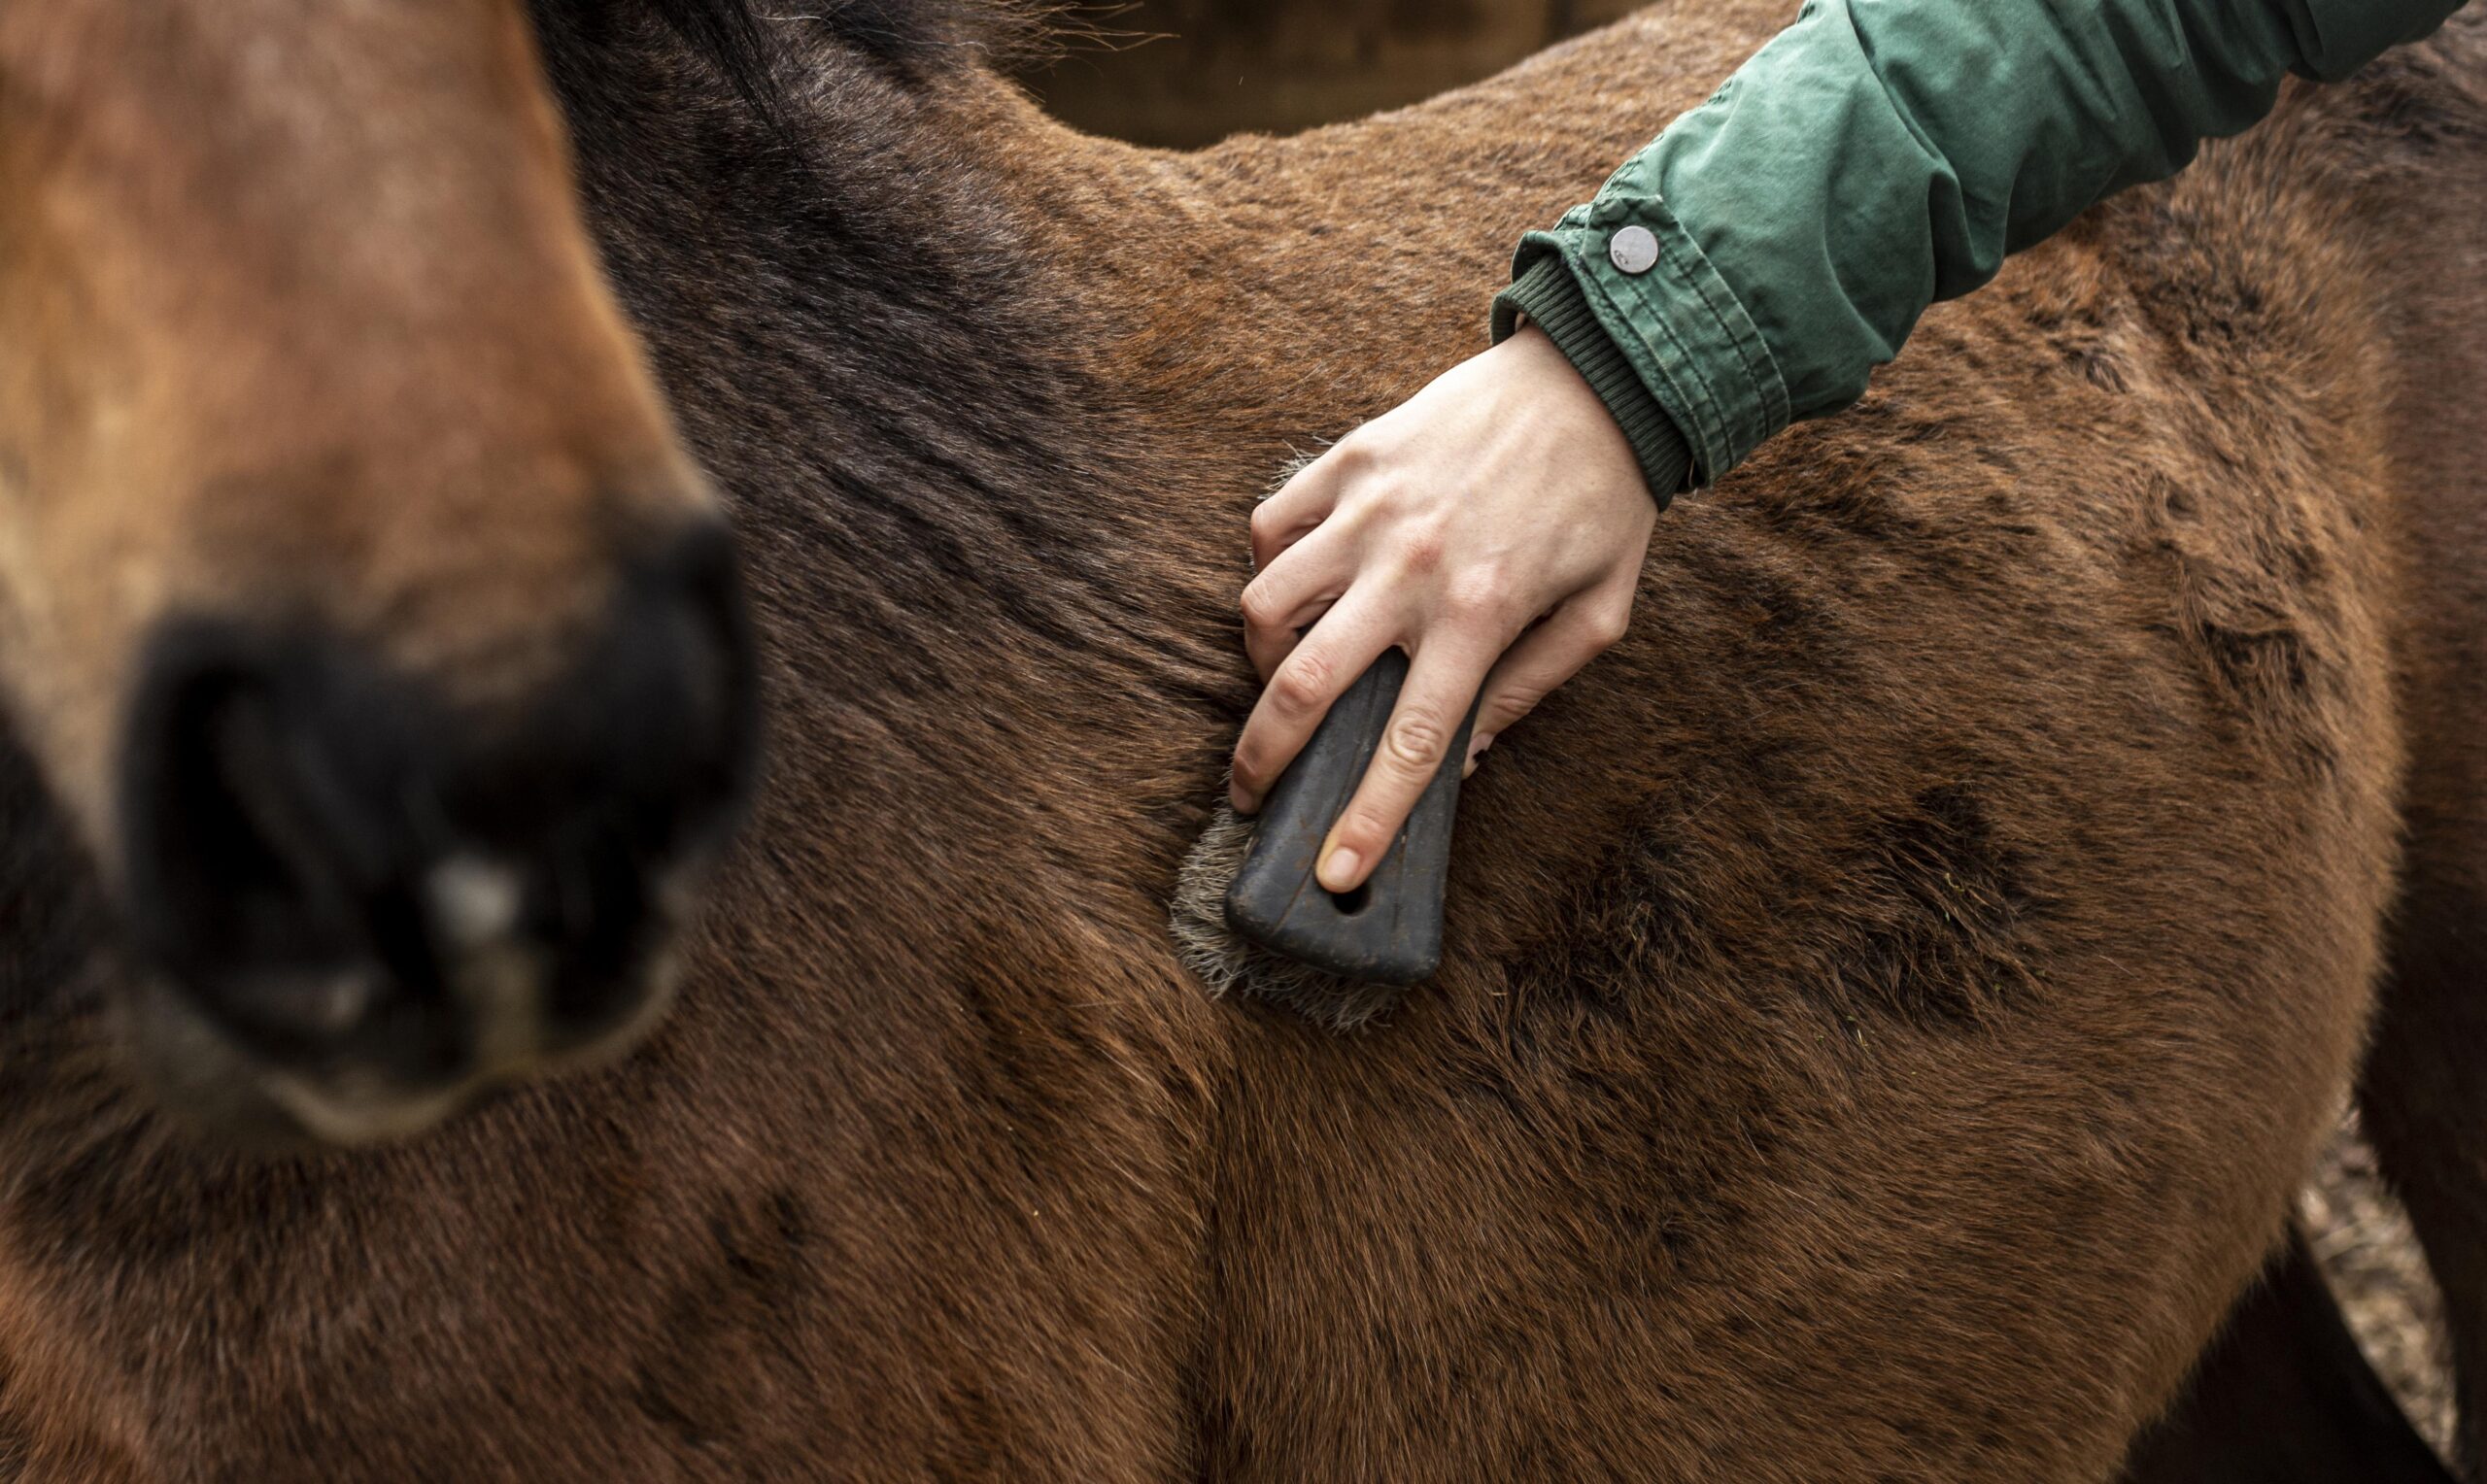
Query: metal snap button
[[1634, 250]]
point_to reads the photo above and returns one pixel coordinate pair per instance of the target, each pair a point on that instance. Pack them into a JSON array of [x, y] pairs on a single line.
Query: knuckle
[[1265, 522], [1607, 627], [1421, 548], [1301, 685], [1416, 739], [1478, 595], [1513, 703], [1356, 455], [1416, 508], [1261, 608], [1363, 500]]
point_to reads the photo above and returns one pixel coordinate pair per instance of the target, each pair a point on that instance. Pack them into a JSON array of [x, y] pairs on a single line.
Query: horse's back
[[1894, 996]]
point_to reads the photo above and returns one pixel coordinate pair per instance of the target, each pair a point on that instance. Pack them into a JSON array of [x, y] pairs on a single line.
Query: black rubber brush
[[1389, 929]]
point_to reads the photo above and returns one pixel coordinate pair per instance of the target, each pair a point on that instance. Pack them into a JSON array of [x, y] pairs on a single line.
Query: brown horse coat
[[1890, 1000]]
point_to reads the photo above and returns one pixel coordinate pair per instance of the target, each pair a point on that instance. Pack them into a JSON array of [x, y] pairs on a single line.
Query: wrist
[[1553, 304]]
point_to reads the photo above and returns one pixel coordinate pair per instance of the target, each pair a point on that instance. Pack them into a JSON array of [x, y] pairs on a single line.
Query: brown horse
[[346, 573], [1890, 1000]]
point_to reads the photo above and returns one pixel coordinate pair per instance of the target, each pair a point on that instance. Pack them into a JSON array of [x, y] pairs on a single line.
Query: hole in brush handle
[[1389, 929]]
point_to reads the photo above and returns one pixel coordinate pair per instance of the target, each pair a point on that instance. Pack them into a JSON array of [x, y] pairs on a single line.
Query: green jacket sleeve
[[1777, 243]]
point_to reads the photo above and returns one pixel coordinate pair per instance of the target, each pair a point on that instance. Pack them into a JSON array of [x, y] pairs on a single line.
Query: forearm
[[1881, 155]]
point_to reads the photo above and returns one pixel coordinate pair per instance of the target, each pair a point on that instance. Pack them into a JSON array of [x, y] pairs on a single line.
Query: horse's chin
[[218, 1091], [227, 1095]]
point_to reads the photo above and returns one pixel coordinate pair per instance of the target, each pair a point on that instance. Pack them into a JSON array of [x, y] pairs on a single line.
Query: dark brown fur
[[1890, 1002]]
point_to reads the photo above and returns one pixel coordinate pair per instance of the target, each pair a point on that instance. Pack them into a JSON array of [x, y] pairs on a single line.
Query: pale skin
[[1493, 526]]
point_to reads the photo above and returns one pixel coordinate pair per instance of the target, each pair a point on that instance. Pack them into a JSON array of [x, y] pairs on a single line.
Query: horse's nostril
[[350, 875], [667, 698], [255, 852], [647, 747]]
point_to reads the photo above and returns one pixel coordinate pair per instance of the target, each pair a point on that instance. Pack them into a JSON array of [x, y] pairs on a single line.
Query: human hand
[[1493, 526]]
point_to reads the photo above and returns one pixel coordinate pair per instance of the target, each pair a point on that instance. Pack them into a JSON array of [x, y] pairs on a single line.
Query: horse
[[342, 659], [1890, 1000]]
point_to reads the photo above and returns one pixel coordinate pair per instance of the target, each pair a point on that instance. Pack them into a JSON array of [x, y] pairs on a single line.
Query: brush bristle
[[1227, 963]]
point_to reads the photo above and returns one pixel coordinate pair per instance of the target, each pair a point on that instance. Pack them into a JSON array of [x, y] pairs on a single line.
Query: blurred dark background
[[1186, 72]]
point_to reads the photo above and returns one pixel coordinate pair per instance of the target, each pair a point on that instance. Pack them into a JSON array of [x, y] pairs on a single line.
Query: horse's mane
[[914, 35]]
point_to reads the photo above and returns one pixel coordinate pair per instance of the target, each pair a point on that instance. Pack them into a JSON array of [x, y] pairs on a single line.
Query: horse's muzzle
[[356, 905]]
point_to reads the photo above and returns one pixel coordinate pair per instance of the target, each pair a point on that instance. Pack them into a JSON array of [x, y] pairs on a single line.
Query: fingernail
[[1477, 746], [1339, 872]]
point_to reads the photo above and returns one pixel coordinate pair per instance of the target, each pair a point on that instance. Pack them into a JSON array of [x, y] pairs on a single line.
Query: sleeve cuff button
[[1634, 250]]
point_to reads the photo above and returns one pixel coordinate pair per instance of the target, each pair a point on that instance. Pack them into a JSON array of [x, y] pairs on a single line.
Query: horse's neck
[[992, 645], [993, 400]]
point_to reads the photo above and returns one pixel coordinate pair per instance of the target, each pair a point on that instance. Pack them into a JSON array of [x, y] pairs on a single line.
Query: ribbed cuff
[[1553, 302]]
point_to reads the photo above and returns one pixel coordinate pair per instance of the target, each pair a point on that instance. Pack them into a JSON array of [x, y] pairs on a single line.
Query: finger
[[1302, 503], [1346, 640], [1291, 594], [1543, 659], [1442, 680]]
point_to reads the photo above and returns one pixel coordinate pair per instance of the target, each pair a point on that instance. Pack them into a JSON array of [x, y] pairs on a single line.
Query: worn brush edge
[[1226, 963]]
